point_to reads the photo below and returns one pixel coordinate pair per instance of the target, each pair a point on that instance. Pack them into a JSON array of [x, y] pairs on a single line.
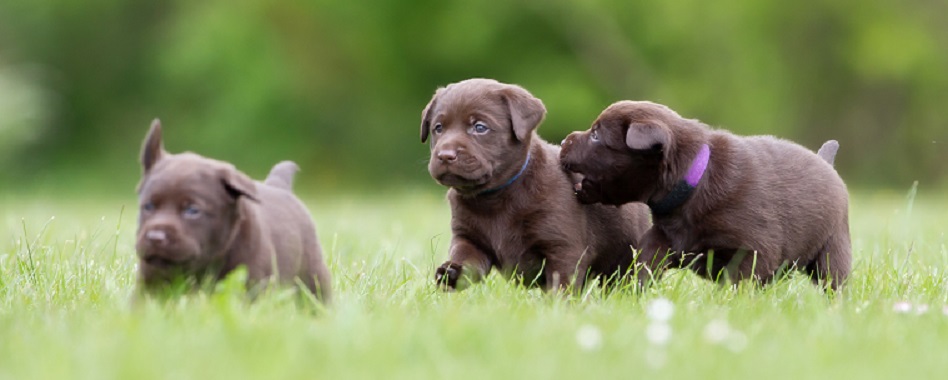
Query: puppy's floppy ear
[[526, 111], [152, 149], [646, 136], [426, 116], [238, 184]]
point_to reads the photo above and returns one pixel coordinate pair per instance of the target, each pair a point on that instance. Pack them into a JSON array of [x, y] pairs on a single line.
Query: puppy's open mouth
[[577, 180], [583, 187]]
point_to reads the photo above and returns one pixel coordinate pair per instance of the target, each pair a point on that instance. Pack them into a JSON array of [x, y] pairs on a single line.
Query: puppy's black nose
[[447, 155]]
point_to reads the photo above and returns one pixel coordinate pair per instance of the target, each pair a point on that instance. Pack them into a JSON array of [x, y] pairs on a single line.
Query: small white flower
[[921, 309], [660, 310], [902, 307], [589, 338], [717, 331], [658, 333], [944, 310]]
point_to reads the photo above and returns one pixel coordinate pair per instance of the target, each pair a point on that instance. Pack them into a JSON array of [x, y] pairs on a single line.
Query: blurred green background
[[338, 86]]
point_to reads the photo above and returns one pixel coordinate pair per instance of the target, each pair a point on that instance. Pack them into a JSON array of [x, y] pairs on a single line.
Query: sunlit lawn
[[67, 272]]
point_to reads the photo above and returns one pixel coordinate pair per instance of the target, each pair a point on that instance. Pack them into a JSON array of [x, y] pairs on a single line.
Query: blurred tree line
[[338, 86]]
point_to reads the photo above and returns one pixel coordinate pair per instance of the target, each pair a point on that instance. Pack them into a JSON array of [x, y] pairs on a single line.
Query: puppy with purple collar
[[512, 207], [726, 206]]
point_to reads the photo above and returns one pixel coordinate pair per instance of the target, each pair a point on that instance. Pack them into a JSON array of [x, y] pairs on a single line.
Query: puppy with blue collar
[[512, 206]]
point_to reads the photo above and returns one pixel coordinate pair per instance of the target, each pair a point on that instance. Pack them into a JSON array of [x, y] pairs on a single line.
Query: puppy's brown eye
[[438, 129], [594, 136], [480, 128]]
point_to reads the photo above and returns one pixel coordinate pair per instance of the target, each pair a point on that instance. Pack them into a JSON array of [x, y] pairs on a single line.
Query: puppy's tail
[[828, 151], [282, 175]]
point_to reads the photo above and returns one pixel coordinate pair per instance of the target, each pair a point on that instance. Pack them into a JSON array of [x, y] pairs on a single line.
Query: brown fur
[[234, 221], [534, 227], [759, 194]]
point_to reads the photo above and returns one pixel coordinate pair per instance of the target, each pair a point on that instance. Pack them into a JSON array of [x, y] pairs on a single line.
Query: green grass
[[66, 285]]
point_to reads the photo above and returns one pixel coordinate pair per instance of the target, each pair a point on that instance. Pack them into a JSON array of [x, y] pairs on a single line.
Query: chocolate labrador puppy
[[203, 218], [723, 205], [512, 207]]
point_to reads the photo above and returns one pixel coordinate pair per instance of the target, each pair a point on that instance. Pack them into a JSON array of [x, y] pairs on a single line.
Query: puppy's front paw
[[447, 275]]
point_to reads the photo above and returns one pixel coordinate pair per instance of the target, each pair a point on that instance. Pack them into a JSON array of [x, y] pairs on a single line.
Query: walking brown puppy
[[723, 205], [201, 217], [512, 207]]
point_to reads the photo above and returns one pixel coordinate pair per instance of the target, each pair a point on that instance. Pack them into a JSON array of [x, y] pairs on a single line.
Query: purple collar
[[684, 188]]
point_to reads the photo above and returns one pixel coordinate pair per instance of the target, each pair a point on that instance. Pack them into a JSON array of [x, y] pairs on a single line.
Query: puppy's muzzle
[[157, 237], [157, 247], [567, 146], [569, 139], [450, 160], [447, 156]]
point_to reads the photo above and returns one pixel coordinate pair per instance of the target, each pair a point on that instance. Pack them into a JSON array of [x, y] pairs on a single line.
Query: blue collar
[[509, 181]]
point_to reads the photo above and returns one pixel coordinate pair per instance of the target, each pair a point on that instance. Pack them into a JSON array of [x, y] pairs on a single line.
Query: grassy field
[[67, 272]]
